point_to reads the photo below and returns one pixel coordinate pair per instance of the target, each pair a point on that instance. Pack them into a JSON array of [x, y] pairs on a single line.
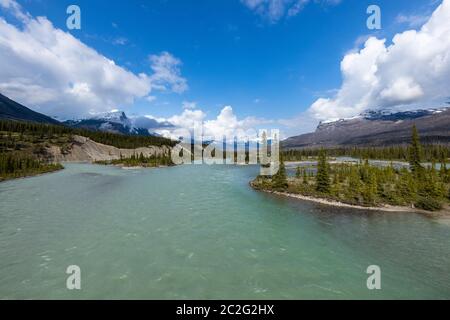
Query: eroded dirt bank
[[83, 149]]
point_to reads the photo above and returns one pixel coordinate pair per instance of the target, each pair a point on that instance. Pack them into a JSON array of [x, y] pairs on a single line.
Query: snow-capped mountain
[[378, 128], [391, 115], [117, 122], [115, 116], [386, 115]]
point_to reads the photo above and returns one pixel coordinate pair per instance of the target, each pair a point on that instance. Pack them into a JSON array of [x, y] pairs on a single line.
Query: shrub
[[429, 204]]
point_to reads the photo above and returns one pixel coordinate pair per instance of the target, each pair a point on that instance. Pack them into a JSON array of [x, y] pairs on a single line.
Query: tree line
[[23, 146], [135, 160], [16, 165], [430, 152], [425, 187], [111, 139]]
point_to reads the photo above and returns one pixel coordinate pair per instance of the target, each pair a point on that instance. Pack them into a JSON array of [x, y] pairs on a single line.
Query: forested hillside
[[24, 145]]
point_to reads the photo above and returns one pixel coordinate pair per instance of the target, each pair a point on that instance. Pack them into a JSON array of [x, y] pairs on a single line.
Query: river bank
[[444, 213], [50, 153], [47, 170]]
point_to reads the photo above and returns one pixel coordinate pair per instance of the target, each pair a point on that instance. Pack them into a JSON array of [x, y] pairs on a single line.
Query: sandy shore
[[445, 213], [385, 208]]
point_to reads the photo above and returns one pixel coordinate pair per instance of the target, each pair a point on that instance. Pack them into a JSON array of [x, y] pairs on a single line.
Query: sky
[[229, 64]]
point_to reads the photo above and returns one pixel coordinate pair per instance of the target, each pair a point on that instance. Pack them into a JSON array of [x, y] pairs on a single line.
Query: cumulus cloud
[[412, 72], [226, 124], [52, 71], [274, 10]]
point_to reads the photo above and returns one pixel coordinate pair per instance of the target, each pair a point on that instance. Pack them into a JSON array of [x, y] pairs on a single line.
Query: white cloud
[[121, 41], [189, 105], [52, 71], [15, 9], [150, 98], [225, 124], [167, 74], [302, 123], [274, 10], [413, 21], [412, 72]]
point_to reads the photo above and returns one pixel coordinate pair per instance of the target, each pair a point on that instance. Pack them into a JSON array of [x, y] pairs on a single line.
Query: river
[[200, 232]]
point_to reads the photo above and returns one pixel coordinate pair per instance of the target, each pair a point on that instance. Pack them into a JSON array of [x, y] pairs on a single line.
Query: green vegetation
[[111, 139], [24, 147], [16, 165], [323, 177], [415, 153], [279, 180], [23, 151], [393, 153], [141, 161], [362, 184]]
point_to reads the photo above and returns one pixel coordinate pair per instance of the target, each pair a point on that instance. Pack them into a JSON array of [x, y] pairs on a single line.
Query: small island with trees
[[418, 186], [141, 161]]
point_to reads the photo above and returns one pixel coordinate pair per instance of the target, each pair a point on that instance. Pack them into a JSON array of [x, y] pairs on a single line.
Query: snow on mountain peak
[[388, 115], [112, 116]]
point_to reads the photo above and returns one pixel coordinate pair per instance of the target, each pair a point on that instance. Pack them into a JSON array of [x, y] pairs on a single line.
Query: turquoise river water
[[200, 232]]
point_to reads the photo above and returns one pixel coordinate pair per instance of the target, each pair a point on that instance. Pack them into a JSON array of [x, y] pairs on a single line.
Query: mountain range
[[114, 122], [372, 128], [377, 128], [118, 122], [12, 110]]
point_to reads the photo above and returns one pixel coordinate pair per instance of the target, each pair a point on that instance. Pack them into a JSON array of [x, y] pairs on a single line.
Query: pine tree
[[305, 177], [298, 173], [415, 153], [323, 174], [279, 180]]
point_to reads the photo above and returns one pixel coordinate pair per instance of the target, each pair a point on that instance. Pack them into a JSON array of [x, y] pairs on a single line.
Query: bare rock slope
[[377, 130], [85, 150]]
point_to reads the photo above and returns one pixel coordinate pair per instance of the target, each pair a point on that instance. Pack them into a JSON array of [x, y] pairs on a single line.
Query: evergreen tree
[[323, 174], [298, 173], [305, 177], [415, 152], [279, 180]]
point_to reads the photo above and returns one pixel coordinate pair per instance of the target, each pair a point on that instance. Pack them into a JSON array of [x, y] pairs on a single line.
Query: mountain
[[12, 110], [377, 128], [118, 122]]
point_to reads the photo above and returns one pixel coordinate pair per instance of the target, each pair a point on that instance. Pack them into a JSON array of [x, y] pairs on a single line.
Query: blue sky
[[264, 65]]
